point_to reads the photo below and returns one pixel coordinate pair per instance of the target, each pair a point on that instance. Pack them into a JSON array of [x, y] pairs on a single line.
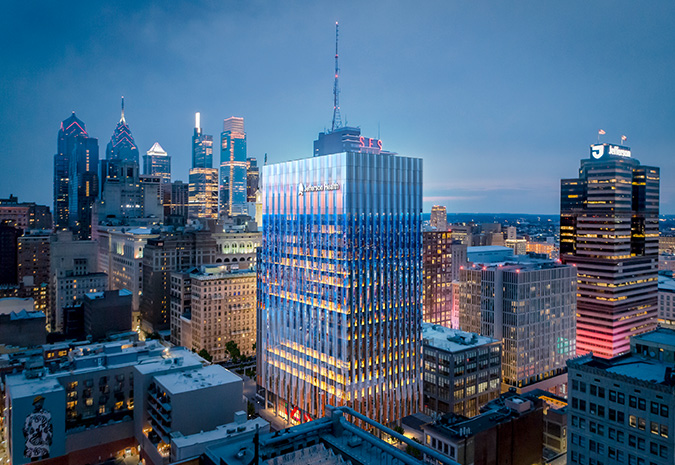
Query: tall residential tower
[[609, 230]]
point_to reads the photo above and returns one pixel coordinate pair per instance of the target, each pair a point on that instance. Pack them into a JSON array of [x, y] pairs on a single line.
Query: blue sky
[[500, 99]]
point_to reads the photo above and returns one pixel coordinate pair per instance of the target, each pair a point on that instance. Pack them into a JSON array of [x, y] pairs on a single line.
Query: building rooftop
[[184, 381], [220, 271], [19, 386], [221, 432], [459, 426], [177, 355], [9, 305], [666, 283], [335, 441], [488, 248], [101, 294], [661, 336], [24, 315], [452, 340], [645, 367]]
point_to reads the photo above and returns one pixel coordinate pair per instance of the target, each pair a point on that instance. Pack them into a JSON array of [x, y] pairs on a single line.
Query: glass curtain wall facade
[[203, 193], [83, 185], [202, 147], [71, 128], [233, 164], [339, 286]]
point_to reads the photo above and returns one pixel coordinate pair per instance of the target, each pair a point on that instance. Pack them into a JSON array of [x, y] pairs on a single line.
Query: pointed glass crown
[[73, 125], [122, 145]]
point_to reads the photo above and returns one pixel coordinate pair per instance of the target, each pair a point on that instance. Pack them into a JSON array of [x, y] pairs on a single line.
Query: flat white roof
[[205, 377], [452, 340], [19, 386], [221, 432]]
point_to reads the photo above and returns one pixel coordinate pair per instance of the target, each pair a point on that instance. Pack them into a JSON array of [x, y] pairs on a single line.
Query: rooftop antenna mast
[[122, 118], [337, 120]]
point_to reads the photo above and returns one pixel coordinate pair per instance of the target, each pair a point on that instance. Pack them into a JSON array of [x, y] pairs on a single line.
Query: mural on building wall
[[38, 431]]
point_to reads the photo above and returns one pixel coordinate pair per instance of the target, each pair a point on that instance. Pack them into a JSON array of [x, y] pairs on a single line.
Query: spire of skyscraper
[[122, 145], [337, 120]]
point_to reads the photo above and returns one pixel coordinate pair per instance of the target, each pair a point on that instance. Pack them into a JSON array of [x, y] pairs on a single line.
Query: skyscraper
[[71, 127], [252, 179], [442, 259], [122, 145], [439, 218], [202, 147], [83, 186], [233, 164], [529, 305], [125, 193], [156, 162], [203, 193], [180, 199], [339, 282], [609, 230]]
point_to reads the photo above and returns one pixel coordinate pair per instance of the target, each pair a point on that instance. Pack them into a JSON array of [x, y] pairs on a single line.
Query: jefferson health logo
[[302, 189]]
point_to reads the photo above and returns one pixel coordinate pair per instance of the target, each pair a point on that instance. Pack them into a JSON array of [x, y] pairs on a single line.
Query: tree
[[232, 348], [251, 409], [205, 355]]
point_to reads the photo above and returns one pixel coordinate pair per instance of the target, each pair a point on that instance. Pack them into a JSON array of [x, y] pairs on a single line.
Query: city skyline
[[502, 100]]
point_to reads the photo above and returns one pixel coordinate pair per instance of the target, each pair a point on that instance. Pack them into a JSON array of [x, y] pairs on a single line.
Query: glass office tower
[[339, 285], [233, 167], [609, 229], [202, 146], [71, 128]]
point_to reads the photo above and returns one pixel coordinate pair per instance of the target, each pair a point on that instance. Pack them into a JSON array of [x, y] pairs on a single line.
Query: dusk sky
[[500, 99]]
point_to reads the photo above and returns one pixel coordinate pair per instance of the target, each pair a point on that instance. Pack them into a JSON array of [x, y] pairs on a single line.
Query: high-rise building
[[180, 199], [252, 179], [9, 238], [71, 128], [621, 409], [156, 162], [666, 300], [223, 310], [161, 256], [529, 305], [233, 168], [83, 186], [519, 246], [442, 259], [120, 256], [25, 215], [126, 194], [202, 147], [33, 256], [462, 371], [122, 145], [439, 218], [609, 230], [203, 193], [339, 281], [74, 271]]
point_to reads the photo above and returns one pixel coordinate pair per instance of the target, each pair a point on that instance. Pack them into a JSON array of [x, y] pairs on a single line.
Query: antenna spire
[[337, 120], [122, 118]]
